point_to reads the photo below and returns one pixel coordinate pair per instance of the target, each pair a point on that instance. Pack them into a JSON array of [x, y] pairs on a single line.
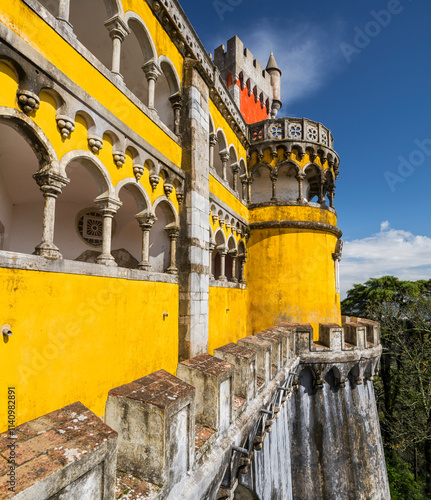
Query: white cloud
[[390, 251], [308, 54]]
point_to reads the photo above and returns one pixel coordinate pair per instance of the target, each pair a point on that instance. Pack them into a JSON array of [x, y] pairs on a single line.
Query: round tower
[[275, 73], [294, 245]]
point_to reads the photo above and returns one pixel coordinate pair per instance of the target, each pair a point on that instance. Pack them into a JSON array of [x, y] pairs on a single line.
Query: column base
[[145, 266], [172, 270], [233, 280], [222, 278], [47, 250], [106, 260]]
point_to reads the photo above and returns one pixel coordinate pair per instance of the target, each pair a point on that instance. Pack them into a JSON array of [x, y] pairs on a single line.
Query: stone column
[[321, 198], [213, 143], [300, 178], [108, 208], [224, 157], [177, 103], [173, 233], [249, 191], [331, 195], [244, 186], [242, 260], [211, 270], [63, 12], [274, 189], [234, 279], [152, 72], [223, 252], [117, 31], [194, 238], [235, 170], [51, 185], [146, 221]]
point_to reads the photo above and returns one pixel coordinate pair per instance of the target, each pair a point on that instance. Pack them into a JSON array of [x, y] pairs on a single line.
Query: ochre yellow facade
[[79, 329], [76, 337]]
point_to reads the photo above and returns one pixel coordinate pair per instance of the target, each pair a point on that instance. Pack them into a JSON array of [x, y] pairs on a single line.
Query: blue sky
[[363, 69]]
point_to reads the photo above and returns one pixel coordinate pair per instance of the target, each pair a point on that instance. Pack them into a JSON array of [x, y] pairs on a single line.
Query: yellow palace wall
[[76, 337]]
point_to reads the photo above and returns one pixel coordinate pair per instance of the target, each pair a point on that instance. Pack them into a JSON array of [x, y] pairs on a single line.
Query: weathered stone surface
[[263, 350], [245, 361], [69, 453], [277, 347], [213, 379], [155, 418]]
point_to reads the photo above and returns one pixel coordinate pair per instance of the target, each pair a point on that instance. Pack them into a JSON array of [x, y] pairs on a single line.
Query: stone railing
[[294, 129], [298, 133], [185, 436]]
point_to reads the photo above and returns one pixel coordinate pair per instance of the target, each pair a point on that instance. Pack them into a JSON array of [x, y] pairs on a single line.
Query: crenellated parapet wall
[[198, 434]]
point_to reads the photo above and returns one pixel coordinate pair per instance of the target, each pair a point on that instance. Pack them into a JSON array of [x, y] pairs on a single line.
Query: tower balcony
[[291, 161]]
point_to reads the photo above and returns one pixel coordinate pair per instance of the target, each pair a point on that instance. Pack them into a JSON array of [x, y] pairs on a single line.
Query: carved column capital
[[173, 231], [50, 183], [151, 70], [117, 28], [176, 100], [213, 139], [146, 220], [108, 206], [224, 156]]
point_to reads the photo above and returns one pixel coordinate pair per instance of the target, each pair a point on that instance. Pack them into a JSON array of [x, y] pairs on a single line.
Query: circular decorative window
[[89, 224]]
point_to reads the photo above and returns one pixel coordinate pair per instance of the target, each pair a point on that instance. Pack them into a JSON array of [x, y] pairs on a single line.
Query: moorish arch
[[163, 237], [84, 208], [261, 183], [26, 159], [88, 20], [131, 220]]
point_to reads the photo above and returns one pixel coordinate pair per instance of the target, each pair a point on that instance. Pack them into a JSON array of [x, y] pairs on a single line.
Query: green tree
[[403, 309]]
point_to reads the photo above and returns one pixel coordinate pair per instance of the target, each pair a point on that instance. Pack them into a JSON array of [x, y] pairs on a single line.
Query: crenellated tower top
[[255, 90]]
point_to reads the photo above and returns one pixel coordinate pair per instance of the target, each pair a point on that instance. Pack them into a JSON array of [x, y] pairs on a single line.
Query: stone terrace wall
[[194, 436]]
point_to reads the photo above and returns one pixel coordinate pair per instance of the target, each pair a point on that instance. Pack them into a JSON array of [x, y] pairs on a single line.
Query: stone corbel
[[168, 188], [27, 101], [95, 143], [138, 170], [66, 125]]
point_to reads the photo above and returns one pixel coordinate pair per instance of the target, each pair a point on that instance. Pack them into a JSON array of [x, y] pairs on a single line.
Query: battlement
[[178, 436], [245, 76]]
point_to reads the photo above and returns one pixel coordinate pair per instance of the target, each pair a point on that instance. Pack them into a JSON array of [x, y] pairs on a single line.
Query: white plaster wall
[[162, 103], [26, 227], [287, 188], [160, 244], [87, 18], [261, 187], [5, 215]]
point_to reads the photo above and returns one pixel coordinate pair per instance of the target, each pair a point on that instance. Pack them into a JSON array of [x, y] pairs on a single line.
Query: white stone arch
[[143, 35], [161, 199], [91, 21], [211, 122], [219, 253], [34, 136], [261, 183], [312, 183], [127, 243], [168, 68], [163, 236], [138, 192], [221, 151], [27, 160], [96, 168]]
